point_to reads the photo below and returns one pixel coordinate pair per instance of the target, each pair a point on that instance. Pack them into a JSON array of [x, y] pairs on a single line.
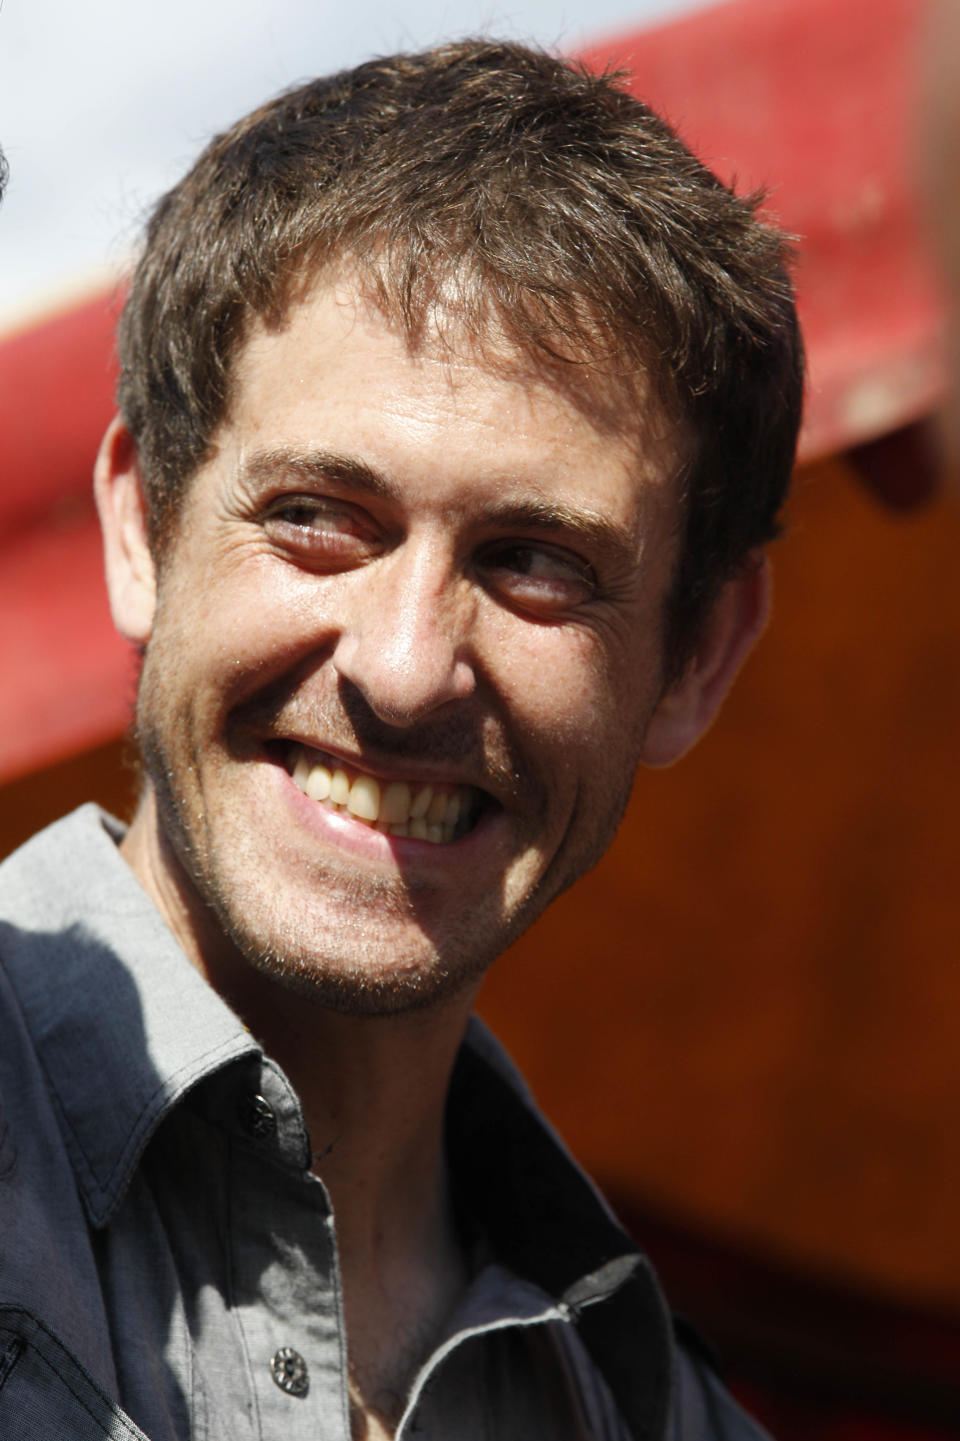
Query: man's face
[[406, 646]]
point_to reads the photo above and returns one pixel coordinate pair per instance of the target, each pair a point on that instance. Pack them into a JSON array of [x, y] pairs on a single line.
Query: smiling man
[[457, 403]]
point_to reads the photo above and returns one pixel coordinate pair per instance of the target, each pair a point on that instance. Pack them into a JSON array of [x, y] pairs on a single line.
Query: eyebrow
[[321, 467], [588, 525], [316, 467]]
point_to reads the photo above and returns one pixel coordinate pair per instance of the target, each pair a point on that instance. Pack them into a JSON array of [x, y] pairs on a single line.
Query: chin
[[362, 990], [363, 952], [379, 981]]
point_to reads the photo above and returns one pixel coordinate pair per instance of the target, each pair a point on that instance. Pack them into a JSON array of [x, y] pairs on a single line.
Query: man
[[457, 400]]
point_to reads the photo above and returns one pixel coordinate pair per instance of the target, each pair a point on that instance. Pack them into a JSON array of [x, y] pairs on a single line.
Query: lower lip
[[341, 829]]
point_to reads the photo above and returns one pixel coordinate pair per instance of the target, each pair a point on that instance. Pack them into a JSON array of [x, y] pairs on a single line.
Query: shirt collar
[[547, 1222], [122, 1023]]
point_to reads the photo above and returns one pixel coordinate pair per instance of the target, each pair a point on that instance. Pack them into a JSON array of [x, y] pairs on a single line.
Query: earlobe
[[130, 571], [736, 622]]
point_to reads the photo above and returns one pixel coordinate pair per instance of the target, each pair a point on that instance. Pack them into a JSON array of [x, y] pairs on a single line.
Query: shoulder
[[703, 1408]]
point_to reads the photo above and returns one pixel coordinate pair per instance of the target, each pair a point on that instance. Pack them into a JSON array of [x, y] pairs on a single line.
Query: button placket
[[284, 1277]]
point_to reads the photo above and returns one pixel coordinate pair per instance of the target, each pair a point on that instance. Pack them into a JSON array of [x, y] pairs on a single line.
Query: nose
[[405, 642]]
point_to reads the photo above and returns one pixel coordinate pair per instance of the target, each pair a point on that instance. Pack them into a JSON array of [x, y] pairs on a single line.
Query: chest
[[222, 1284]]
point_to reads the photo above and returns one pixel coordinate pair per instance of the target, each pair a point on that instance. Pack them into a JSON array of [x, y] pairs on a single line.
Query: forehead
[[445, 410]]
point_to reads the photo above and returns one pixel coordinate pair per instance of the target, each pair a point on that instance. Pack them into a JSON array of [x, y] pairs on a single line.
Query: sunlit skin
[[430, 564], [431, 570]]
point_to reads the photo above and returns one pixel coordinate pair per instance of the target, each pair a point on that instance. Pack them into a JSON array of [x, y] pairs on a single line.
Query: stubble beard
[[349, 973], [268, 932]]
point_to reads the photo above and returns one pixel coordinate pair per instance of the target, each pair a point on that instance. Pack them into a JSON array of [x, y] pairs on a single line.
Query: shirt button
[[257, 1118], [290, 1371]]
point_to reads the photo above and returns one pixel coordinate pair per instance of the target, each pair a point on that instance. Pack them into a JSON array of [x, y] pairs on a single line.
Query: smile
[[417, 810]]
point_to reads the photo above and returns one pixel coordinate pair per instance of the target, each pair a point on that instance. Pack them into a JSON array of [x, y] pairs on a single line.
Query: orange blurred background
[[746, 1020]]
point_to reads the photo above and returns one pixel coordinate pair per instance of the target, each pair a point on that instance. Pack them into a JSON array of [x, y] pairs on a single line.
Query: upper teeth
[[427, 812]]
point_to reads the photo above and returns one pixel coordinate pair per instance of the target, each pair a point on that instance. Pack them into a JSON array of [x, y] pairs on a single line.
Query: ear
[[735, 624], [131, 575]]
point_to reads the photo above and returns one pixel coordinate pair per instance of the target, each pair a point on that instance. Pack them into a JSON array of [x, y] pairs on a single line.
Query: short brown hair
[[551, 200]]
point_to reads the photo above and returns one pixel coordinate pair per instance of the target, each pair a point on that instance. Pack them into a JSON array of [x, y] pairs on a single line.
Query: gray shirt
[[168, 1261]]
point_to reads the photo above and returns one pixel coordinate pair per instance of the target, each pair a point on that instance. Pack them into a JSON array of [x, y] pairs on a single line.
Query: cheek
[[589, 705], [558, 686], [243, 625]]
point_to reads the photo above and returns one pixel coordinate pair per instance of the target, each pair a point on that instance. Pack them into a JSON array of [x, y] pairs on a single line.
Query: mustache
[[342, 716]]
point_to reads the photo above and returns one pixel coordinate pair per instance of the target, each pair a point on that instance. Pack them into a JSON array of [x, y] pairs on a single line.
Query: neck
[[373, 1091]]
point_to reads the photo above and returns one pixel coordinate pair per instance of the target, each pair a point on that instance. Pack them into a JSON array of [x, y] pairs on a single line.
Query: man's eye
[[542, 578], [310, 514], [319, 529]]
